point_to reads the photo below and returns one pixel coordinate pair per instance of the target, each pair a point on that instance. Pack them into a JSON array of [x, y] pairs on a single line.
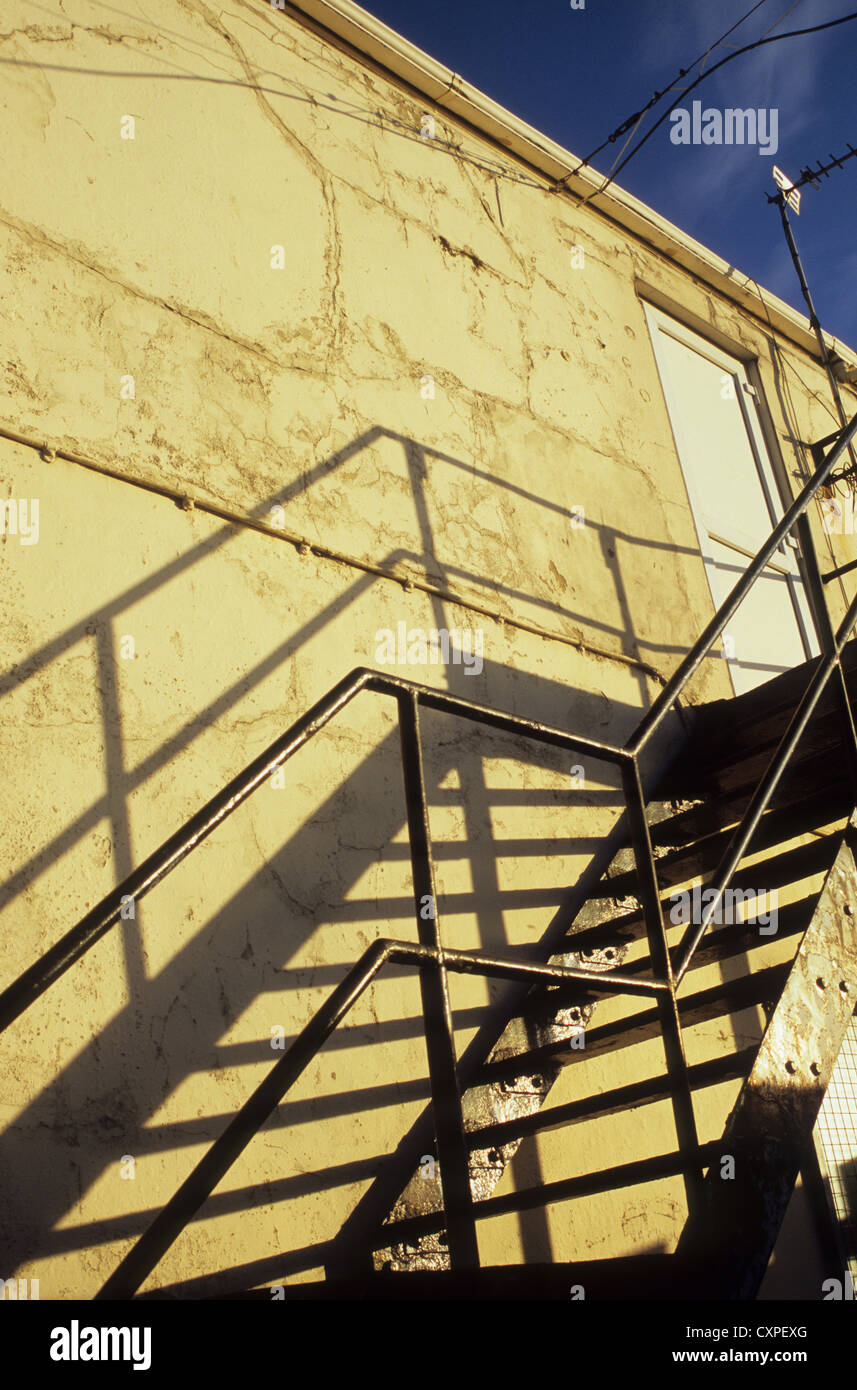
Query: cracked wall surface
[[427, 386]]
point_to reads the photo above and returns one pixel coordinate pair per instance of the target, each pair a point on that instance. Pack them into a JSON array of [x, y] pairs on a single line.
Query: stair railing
[[828, 665], [430, 956]]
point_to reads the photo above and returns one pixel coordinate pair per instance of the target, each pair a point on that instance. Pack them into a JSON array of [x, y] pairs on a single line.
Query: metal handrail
[[430, 955], [761, 797], [34, 981], [686, 668], [79, 939], [215, 1163], [831, 649]]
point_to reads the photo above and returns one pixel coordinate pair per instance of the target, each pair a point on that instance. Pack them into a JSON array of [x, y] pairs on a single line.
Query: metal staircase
[[745, 783], [506, 1102]]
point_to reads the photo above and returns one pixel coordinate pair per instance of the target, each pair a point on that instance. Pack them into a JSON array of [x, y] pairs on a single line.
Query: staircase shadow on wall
[[125, 1072]]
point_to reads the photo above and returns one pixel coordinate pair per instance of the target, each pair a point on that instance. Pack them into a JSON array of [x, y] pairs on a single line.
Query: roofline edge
[[386, 48]]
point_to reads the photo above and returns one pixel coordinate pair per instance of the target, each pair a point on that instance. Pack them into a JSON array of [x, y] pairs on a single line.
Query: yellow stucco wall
[[428, 386]]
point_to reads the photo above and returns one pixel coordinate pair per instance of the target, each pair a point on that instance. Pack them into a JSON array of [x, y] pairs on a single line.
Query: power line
[[781, 18], [748, 48], [701, 61], [655, 98]]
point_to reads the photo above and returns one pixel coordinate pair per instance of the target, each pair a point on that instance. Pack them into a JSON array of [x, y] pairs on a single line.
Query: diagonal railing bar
[[761, 797], [686, 668], [432, 959], [218, 1159], [413, 1228], [60, 957], [827, 638], [76, 942]]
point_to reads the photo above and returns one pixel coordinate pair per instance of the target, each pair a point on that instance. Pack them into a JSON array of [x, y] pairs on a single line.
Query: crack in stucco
[[197, 317], [40, 33], [333, 252], [51, 33]]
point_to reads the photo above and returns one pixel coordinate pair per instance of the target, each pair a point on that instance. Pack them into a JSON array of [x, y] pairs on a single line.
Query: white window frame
[[747, 394]]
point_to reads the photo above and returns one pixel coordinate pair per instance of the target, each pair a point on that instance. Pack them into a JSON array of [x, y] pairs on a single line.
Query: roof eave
[[376, 41]]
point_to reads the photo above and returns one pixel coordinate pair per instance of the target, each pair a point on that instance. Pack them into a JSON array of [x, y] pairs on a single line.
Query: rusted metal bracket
[[746, 1194]]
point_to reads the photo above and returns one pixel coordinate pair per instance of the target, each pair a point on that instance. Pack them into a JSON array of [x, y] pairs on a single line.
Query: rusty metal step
[[733, 740], [761, 988], [719, 943], [700, 858], [730, 1067], [412, 1230]]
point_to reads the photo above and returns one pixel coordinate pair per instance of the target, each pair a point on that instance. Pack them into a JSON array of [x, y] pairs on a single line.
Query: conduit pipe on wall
[[405, 580]]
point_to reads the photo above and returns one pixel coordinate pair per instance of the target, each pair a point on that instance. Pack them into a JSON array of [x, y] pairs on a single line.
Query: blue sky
[[576, 74]]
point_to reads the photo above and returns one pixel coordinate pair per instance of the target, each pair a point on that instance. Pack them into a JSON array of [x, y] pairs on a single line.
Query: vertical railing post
[[680, 1091], [824, 631], [827, 640], [452, 1150]]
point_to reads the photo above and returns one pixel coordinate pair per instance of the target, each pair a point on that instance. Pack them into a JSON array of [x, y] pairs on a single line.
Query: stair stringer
[[729, 1240]]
